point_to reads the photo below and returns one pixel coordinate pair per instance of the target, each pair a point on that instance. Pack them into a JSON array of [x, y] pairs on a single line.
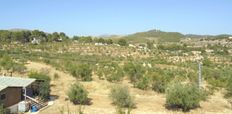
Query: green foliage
[[56, 76], [44, 90], [39, 76], [77, 94], [116, 75], [2, 109], [109, 41], [87, 39], [143, 83], [134, 70], [207, 62], [159, 86], [184, 96], [217, 76], [75, 38], [160, 82], [5, 36], [25, 36], [157, 35], [229, 87], [82, 71], [122, 42], [121, 97], [111, 72], [150, 45], [101, 40], [120, 110], [8, 64]]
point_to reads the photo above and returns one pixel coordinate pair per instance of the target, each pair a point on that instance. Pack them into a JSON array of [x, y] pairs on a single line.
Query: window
[[3, 97]]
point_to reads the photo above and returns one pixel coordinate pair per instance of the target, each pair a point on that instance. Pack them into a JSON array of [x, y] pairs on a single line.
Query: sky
[[105, 17]]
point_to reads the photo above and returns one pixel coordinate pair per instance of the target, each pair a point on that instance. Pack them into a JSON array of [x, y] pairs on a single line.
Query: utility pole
[[199, 74]]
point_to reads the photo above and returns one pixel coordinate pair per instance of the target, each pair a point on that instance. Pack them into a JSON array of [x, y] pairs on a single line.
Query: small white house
[[35, 41], [131, 45], [209, 51]]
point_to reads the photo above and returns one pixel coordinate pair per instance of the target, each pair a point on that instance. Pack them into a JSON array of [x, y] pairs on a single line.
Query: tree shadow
[[53, 97], [87, 102], [178, 108]]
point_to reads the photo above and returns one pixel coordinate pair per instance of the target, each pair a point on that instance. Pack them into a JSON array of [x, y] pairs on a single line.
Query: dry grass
[[147, 102]]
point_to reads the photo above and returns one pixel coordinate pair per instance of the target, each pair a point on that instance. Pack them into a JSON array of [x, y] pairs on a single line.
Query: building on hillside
[[14, 90], [209, 50], [131, 45], [35, 41]]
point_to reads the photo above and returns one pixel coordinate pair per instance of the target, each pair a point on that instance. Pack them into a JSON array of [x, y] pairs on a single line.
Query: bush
[[39, 76], [159, 86], [160, 82], [2, 110], [229, 87], [116, 75], [143, 83], [77, 94], [121, 97], [135, 71], [122, 42], [56, 76], [184, 96], [82, 71], [111, 72], [44, 90]]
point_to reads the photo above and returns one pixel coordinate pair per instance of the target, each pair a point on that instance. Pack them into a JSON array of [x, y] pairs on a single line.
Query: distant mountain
[[109, 36], [18, 29], [220, 36], [195, 36], [155, 35]]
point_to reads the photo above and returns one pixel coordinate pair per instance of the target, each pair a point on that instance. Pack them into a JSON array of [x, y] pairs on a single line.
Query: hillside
[[155, 35]]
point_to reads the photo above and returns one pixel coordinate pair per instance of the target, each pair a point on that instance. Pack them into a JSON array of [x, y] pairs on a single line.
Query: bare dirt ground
[[148, 102]]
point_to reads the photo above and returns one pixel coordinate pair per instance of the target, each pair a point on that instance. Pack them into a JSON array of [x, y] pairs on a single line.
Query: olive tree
[[121, 97], [135, 71], [82, 71], [44, 88], [77, 94], [184, 96]]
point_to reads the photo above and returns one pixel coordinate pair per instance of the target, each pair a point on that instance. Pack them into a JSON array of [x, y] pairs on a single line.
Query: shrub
[[159, 83], [18, 68], [122, 42], [116, 75], [2, 110], [135, 71], [82, 71], [111, 72], [56, 76], [39, 76], [184, 96], [121, 97], [229, 87], [143, 83], [77, 94], [159, 86], [44, 90]]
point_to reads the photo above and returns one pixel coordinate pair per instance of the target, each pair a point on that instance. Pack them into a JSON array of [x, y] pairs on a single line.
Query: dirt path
[[148, 102]]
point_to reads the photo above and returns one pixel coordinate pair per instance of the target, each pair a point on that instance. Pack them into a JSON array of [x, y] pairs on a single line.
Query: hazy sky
[[97, 17]]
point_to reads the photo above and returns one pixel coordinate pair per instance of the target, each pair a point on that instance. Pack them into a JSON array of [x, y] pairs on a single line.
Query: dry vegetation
[[160, 64]]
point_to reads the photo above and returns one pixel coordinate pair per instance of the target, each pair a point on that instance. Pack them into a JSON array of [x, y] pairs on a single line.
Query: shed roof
[[15, 82], [2, 87]]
